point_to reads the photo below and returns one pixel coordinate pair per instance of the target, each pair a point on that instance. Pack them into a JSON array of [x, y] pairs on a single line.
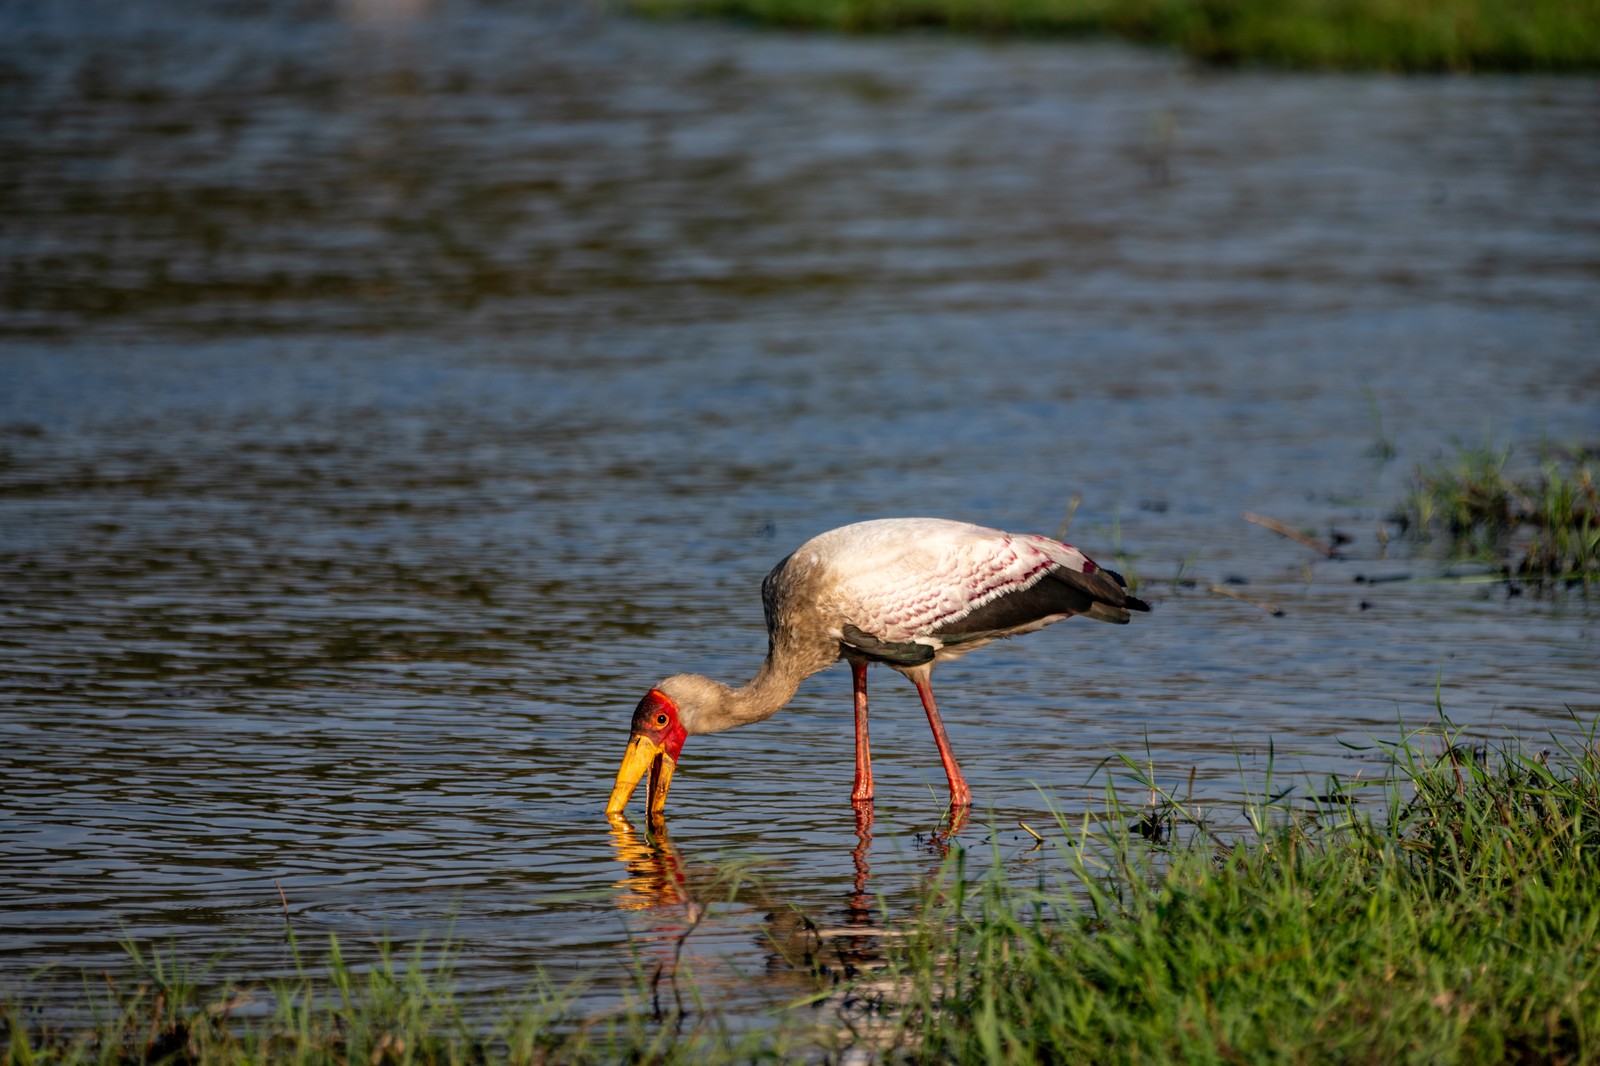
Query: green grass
[[1396, 35], [391, 1012], [1544, 524], [1461, 927], [1452, 917]]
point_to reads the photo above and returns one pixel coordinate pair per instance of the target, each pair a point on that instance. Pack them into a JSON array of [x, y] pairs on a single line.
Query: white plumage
[[902, 579], [905, 592]]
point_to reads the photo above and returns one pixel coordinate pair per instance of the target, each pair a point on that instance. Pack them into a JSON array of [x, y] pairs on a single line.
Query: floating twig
[[1276, 612], [1293, 534], [1382, 579], [1031, 833]]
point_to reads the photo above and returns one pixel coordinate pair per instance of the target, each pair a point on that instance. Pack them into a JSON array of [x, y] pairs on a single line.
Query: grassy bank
[[1395, 35], [1462, 926], [1457, 921], [404, 1009]]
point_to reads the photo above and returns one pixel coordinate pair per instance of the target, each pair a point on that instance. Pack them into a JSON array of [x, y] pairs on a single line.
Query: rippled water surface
[[391, 393]]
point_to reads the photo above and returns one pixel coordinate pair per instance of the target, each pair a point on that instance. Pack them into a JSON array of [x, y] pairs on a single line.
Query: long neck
[[718, 707]]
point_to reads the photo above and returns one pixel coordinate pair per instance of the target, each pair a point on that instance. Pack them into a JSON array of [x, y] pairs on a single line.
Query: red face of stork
[[656, 742]]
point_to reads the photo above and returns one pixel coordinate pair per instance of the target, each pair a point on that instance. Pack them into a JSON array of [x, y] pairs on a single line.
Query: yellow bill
[[656, 741], [643, 756]]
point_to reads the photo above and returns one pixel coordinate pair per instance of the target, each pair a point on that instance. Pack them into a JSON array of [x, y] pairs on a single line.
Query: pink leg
[[863, 790], [960, 795]]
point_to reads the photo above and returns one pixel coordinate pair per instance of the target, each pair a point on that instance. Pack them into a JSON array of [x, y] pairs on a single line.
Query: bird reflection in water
[[656, 875], [839, 944], [859, 909]]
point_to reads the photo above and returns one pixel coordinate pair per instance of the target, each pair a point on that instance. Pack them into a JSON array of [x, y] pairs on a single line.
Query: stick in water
[[1293, 534]]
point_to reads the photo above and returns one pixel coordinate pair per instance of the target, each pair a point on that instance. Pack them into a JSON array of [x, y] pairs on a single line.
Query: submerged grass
[[1550, 518], [1396, 35], [1454, 918]]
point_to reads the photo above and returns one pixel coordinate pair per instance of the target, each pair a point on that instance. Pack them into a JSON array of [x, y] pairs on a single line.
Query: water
[[391, 393]]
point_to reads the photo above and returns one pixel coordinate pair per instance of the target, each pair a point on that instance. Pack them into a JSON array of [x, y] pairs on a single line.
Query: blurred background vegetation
[[1394, 35]]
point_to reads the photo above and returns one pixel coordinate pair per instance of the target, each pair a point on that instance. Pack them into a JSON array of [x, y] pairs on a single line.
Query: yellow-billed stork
[[906, 592]]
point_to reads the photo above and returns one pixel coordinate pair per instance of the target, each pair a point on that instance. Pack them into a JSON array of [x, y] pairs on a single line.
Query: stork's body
[[906, 592]]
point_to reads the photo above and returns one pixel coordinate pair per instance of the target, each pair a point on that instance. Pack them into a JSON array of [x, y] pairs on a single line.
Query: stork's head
[[658, 735]]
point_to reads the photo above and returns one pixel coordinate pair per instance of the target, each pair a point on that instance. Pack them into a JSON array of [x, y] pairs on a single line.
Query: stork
[[906, 592]]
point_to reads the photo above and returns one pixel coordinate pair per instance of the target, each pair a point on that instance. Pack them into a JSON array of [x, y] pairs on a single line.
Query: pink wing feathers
[[907, 578]]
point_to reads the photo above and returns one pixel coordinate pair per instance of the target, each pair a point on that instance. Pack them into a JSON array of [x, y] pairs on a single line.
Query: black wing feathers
[[868, 646], [1099, 594]]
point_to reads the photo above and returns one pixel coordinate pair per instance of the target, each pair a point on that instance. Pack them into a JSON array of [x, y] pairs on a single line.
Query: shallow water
[[391, 393]]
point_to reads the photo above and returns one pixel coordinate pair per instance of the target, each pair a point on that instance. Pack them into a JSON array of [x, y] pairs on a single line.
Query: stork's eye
[[661, 719]]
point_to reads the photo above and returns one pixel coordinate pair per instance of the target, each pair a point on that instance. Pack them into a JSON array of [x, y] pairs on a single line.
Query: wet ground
[[391, 393]]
